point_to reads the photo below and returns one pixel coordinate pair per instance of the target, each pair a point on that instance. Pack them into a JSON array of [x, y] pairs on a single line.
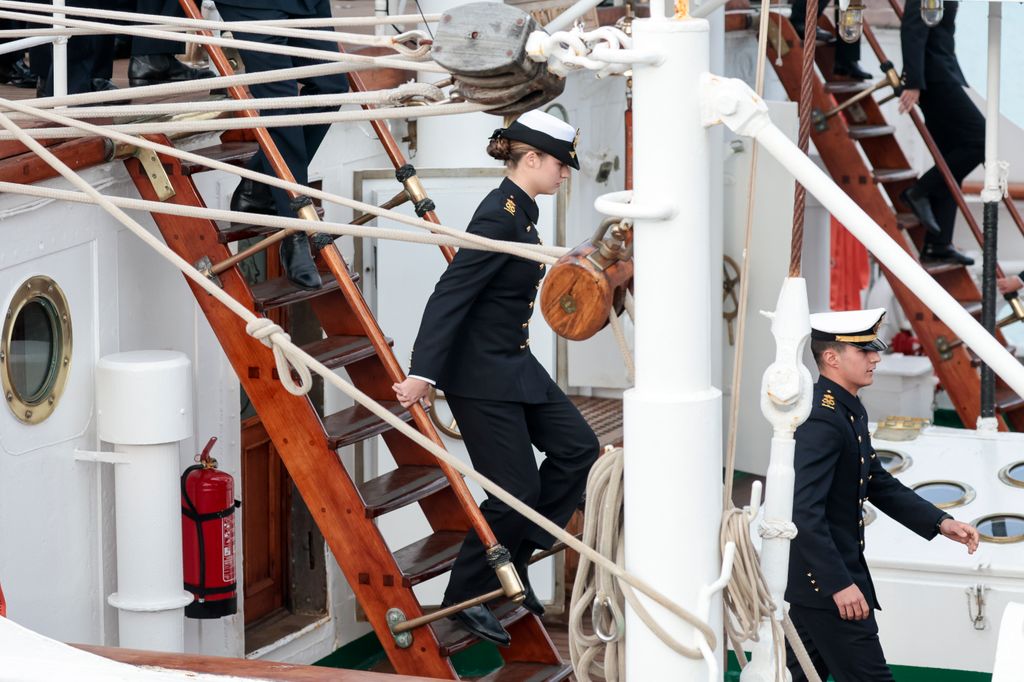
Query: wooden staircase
[[860, 151], [345, 509]]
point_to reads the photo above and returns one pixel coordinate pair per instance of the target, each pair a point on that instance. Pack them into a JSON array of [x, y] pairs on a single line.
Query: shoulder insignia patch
[[510, 206], [829, 401]]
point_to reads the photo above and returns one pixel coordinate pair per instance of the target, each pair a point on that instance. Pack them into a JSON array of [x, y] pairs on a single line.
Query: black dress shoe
[[253, 197], [820, 34], [21, 76], [921, 207], [481, 622], [522, 563], [102, 85], [297, 260], [152, 69], [850, 70], [944, 254]]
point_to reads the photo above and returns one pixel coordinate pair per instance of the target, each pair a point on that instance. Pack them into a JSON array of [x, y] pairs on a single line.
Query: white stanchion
[[144, 408]]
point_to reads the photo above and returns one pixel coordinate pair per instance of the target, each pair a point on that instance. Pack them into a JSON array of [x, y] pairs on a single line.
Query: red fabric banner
[[849, 271]]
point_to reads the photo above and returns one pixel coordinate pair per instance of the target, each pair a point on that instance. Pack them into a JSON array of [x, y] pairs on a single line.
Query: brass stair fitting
[[890, 79]]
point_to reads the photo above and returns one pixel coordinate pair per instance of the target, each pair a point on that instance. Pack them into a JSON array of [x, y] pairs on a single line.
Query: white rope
[[186, 24], [624, 350], [606, 50], [251, 45], [401, 94], [296, 354], [264, 329], [251, 122], [271, 180], [534, 252]]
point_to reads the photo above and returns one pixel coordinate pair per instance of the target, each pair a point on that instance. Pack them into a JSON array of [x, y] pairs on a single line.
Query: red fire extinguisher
[[208, 537]]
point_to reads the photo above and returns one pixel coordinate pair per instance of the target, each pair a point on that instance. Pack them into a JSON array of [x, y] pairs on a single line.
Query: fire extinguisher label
[[227, 528]]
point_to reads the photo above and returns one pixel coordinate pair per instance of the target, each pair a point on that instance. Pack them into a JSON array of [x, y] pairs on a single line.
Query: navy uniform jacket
[[474, 339], [928, 53], [837, 471], [297, 7]]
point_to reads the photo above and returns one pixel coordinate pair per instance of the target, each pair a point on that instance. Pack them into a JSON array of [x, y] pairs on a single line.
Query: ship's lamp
[[851, 21], [931, 12]]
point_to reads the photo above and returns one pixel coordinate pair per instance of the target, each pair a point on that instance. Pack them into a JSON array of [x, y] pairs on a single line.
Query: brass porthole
[[35, 349], [1000, 528], [894, 461], [1013, 474], [945, 494]]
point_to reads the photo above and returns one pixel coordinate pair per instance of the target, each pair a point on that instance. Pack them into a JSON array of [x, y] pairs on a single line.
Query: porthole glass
[[894, 461], [945, 494], [1013, 474], [36, 349], [1000, 528]]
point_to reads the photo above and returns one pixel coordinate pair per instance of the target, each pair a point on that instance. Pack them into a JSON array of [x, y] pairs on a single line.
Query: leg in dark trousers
[[849, 649], [499, 437], [299, 144], [959, 131], [846, 53]]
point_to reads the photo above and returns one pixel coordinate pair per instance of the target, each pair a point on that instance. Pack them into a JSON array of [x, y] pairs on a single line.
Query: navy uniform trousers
[[297, 144], [846, 53], [849, 649], [500, 436]]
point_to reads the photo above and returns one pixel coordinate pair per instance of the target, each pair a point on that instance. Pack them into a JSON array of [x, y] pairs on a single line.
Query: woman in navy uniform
[[297, 144], [474, 343], [832, 599]]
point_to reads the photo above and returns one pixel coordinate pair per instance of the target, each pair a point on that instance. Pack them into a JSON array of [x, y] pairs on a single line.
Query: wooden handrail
[[336, 264]]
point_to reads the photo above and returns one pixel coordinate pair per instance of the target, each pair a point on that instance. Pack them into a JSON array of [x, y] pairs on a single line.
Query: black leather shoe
[[481, 622], [253, 197], [102, 85], [530, 601], [153, 69], [20, 76], [944, 254], [820, 34], [850, 70], [921, 207], [297, 261]]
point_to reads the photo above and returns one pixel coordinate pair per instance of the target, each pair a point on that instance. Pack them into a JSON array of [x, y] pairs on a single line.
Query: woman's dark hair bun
[[500, 149]]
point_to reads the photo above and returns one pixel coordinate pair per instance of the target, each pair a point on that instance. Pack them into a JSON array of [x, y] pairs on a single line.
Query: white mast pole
[[673, 415], [60, 54]]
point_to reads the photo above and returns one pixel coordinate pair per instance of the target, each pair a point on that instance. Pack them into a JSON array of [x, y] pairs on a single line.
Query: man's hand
[[851, 603], [411, 390], [1008, 285], [908, 99], [961, 532]]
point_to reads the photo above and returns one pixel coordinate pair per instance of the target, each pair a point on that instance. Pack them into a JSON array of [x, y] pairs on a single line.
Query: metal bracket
[[156, 173], [403, 640], [945, 347], [976, 606], [205, 267], [819, 120]]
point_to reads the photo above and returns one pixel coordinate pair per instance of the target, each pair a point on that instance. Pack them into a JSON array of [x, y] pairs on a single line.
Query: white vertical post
[[144, 408], [993, 190], [673, 439], [60, 54], [786, 393]]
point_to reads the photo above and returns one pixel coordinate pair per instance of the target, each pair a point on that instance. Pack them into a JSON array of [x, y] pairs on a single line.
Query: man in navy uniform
[[832, 599], [933, 79], [297, 144]]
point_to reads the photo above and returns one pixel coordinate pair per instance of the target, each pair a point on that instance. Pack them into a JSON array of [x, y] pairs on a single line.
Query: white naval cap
[[856, 327], [545, 132]]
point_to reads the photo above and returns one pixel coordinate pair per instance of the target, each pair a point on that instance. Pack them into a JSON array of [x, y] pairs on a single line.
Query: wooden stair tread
[[400, 487], [429, 557], [517, 671], [235, 153], [885, 175], [339, 351], [454, 639], [972, 307], [228, 232], [907, 220], [935, 269], [356, 423], [279, 292], [846, 87], [864, 131], [1007, 400]]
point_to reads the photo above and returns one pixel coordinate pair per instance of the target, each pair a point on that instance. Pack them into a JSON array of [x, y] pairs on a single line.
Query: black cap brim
[[564, 151], [876, 345]]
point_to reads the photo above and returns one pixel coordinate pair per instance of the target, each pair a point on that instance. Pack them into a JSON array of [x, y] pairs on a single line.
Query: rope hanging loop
[[272, 336]]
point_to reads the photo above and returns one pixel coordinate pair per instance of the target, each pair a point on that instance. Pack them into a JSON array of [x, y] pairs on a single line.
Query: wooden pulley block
[[586, 284], [514, 99]]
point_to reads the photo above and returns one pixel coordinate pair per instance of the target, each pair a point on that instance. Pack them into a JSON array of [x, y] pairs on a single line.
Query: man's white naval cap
[[856, 327]]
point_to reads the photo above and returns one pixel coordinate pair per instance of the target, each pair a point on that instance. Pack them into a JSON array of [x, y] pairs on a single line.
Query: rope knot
[[287, 357], [770, 529]]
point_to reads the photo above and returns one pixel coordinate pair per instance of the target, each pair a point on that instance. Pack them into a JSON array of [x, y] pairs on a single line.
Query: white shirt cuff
[[429, 381]]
